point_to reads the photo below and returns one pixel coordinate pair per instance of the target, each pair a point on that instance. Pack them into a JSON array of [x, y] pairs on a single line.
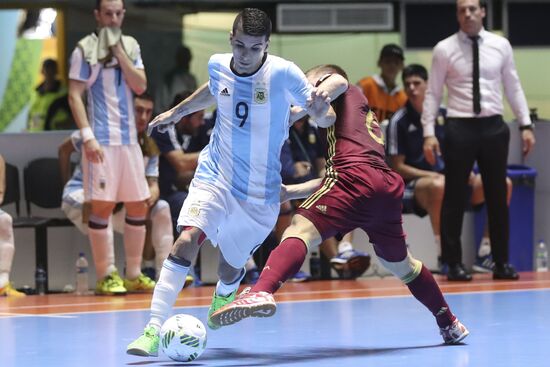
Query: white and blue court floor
[[369, 322]]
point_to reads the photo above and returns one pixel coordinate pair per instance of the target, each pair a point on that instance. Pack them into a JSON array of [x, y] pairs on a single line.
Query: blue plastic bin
[[522, 213]]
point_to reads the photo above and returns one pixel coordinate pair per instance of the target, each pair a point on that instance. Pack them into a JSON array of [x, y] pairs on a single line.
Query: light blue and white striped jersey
[[251, 126], [110, 99], [76, 180]]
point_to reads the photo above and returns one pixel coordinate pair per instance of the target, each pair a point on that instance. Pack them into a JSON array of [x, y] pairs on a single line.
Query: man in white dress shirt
[[474, 65]]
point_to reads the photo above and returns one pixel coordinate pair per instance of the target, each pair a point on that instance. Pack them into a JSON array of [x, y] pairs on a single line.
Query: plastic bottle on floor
[[81, 275], [541, 263]]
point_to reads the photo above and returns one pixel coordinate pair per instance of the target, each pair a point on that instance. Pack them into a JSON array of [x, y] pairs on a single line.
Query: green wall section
[[358, 55], [26, 61]]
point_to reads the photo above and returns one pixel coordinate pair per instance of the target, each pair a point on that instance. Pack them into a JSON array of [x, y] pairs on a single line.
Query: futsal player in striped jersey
[[106, 66], [234, 197], [359, 190]]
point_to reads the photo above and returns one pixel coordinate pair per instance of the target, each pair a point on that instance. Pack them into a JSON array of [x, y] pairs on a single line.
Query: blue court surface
[[507, 328]]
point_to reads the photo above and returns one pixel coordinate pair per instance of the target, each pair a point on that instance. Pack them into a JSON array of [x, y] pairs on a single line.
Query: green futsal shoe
[[217, 303], [146, 345]]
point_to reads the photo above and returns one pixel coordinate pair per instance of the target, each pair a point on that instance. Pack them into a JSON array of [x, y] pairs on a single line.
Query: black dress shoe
[[457, 272], [505, 271]]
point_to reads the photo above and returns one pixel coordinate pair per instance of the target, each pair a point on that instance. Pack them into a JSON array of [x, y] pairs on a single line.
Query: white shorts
[[236, 226], [119, 178]]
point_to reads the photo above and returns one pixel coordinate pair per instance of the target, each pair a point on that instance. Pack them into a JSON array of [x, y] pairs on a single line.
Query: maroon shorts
[[361, 197]]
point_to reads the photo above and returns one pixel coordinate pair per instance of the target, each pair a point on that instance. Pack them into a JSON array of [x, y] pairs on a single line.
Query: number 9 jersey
[[251, 126]]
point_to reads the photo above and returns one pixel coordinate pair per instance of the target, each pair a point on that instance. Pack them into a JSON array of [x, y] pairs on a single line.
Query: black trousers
[[486, 141]]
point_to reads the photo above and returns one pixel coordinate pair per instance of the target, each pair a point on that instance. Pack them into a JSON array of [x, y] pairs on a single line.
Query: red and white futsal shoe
[[247, 304], [454, 333]]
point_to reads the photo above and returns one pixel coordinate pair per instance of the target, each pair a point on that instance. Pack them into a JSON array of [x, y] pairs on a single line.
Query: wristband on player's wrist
[[87, 134]]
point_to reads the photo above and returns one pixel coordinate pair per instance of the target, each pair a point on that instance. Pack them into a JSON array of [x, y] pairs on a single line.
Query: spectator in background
[[177, 80], [159, 220], [49, 104], [424, 183], [474, 65], [107, 66], [383, 93], [7, 248]]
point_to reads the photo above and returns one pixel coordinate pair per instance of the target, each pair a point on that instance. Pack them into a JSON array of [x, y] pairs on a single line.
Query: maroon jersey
[[356, 136]]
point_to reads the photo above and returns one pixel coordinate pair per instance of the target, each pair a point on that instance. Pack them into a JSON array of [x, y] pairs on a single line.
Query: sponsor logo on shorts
[[322, 208], [194, 211]]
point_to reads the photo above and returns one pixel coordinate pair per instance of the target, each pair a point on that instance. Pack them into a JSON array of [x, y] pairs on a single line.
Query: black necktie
[[475, 75]]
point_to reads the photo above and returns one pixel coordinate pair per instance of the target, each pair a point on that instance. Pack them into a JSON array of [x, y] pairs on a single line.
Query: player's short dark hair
[[416, 70], [253, 22], [328, 69], [98, 4], [146, 96]]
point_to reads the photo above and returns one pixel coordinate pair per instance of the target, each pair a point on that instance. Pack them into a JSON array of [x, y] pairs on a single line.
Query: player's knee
[[185, 246], [302, 234], [406, 270]]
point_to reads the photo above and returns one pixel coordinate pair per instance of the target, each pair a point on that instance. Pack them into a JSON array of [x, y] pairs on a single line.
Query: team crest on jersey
[[372, 123], [260, 95]]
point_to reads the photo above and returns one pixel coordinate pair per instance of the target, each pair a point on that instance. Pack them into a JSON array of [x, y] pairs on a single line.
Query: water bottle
[[81, 275], [40, 280], [315, 265], [541, 263]]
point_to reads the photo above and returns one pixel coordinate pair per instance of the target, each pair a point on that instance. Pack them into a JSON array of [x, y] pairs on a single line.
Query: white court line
[[15, 315], [208, 298], [64, 314]]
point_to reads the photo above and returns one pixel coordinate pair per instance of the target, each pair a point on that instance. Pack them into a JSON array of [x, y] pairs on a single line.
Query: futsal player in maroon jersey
[[358, 191]]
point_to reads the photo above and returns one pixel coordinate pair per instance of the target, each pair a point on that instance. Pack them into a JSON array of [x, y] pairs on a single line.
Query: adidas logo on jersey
[[225, 92], [322, 208]]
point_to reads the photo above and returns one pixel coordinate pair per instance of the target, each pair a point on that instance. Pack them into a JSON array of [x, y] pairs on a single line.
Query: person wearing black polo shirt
[[474, 65]]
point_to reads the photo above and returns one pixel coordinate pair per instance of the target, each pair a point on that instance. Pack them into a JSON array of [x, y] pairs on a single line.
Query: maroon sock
[[283, 262], [425, 289]]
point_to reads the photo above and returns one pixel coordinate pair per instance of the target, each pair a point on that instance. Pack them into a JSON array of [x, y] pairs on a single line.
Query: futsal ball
[[183, 338]]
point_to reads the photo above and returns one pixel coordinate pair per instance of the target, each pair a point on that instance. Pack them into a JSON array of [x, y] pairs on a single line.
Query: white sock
[[134, 240], [161, 236], [7, 249], [250, 264], [4, 279], [224, 290], [171, 281], [484, 247], [344, 246], [101, 242]]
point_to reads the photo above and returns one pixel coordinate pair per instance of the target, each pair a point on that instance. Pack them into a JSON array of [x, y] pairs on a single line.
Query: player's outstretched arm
[[199, 100], [299, 191]]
